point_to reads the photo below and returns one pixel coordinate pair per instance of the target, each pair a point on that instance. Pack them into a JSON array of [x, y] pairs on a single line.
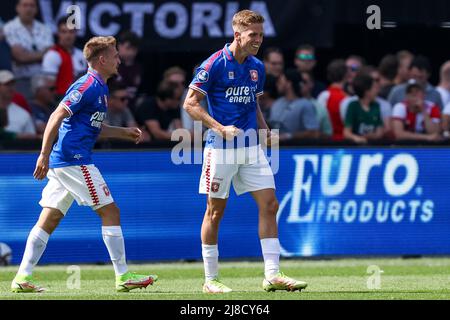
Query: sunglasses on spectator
[[306, 56], [51, 88]]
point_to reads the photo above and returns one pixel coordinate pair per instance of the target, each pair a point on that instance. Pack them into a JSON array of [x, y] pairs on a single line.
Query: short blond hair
[[243, 19], [97, 45]]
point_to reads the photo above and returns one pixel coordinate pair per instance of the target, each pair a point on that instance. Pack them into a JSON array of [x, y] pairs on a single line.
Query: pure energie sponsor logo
[[97, 119], [242, 94]]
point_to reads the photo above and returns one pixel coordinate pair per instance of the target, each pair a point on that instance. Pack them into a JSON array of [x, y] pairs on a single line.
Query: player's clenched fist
[[229, 132], [134, 134], [271, 139]]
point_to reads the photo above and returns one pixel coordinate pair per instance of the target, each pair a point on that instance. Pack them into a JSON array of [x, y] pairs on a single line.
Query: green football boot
[[130, 280], [282, 282], [25, 284], [215, 286]]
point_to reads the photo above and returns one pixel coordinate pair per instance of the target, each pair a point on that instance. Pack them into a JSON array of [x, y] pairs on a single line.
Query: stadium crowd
[[356, 103]]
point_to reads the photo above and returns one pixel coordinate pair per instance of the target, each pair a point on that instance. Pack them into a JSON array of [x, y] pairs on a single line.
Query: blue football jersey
[[86, 102], [231, 90]]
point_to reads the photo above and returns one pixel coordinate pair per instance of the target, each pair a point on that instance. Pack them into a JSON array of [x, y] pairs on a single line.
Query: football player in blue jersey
[[231, 79], [77, 121]]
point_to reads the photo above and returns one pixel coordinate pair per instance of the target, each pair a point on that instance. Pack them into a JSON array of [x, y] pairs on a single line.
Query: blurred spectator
[[404, 58], [5, 135], [305, 61], [353, 64], [29, 39], [64, 61], [446, 122], [388, 69], [444, 83], [130, 71], [273, 61], [385, 106], [332, 97], [363, 118], [44, 97], [18, 120], [177, 76], [5, 50], [420, 71], [270, 94], [321, 111], [20, 100], [118, 113], [295, 117], [161, 115], [415, 118]]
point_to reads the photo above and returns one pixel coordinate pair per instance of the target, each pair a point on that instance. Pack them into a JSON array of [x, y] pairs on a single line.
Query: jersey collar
[[227, 53], [96, 75]]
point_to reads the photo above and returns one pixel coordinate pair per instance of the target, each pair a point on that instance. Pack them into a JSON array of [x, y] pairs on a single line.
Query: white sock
[[113, 238], [271, 253], [210, 255], [36, 243]]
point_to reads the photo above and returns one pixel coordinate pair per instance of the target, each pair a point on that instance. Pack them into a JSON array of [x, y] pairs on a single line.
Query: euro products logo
[[324, 191]]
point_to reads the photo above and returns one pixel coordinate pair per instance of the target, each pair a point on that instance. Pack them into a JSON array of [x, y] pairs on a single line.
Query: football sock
[[210, 255], [271, 253], [36, 243], [113, 238]]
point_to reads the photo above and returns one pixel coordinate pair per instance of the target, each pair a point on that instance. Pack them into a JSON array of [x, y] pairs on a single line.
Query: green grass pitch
[[423, 278]]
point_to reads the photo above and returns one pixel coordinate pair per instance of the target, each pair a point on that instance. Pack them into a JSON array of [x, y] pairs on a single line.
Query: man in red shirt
[[64, 61], [332, 97], [415, 118]]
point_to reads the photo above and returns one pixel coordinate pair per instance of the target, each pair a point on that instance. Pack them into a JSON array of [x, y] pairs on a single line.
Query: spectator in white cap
[[29, 39], [18, 120]]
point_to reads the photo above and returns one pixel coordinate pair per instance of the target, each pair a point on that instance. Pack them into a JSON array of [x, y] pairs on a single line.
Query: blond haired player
[[232, 79], [71, 174]]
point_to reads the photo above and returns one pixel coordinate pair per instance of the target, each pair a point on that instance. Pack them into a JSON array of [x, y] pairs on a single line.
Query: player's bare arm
[[272, 138], [195, 110], [262, 124], [49, 137], [132, 134]]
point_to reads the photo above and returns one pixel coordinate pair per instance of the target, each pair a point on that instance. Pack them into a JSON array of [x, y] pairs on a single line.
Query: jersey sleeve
[[51, 63], [78, 96], [205, 75], [399, 112], [435, 114], [261, 81], [447, 110], [309, 117], [350, 115], [11, 34]]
